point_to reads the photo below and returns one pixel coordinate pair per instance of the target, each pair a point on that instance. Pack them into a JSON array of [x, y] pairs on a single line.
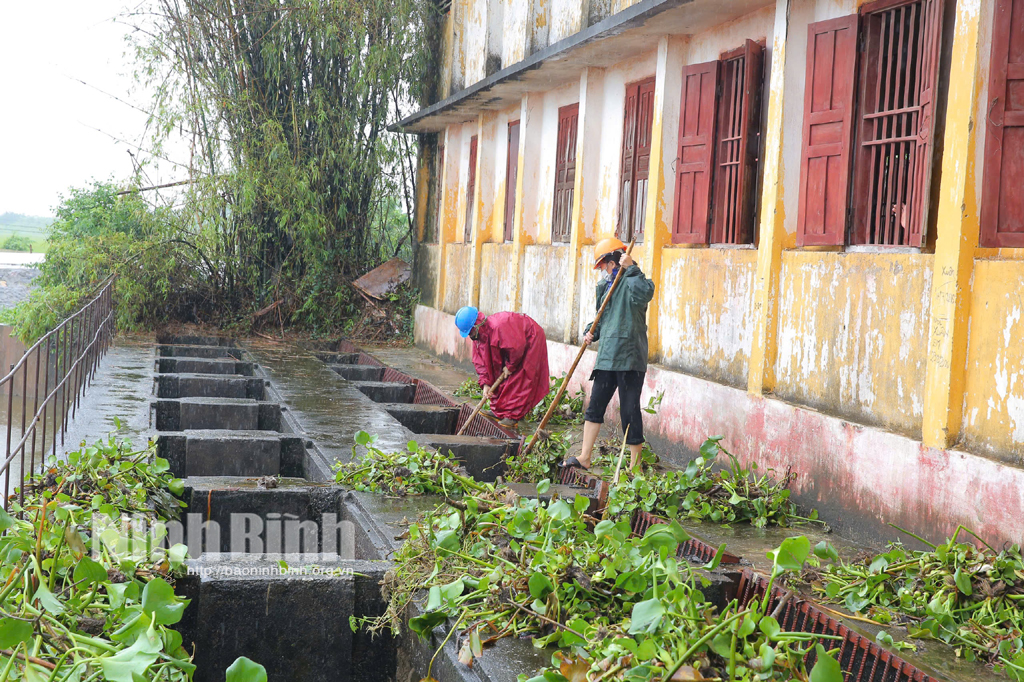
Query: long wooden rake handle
[[480, 405], [579, 356]]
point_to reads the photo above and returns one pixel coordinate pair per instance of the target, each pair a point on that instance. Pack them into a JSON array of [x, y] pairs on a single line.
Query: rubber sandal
[[573, 462]]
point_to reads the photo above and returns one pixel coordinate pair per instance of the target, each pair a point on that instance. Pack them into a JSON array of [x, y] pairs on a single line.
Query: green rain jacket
[[623, 327]]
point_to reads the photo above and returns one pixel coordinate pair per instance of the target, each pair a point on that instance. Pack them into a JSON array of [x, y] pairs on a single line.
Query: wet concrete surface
[[122, 388], [328, 409], [422, 365]]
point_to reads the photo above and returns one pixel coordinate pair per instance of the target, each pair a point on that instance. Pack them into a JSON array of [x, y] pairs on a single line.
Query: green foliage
[[968, 596], [618, 607], [570, 408], [16, 242], [412, 472], [78, 614], [295, 185], [470, 388], [542, 462], [701, 493]]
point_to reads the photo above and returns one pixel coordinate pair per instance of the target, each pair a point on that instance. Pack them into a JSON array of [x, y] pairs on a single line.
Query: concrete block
[[235, 414], [359, 372], [208, 352], [386, 391], [294, 457], [170, 339], [209, 386], [204, 366], [269, 416], [296, 626], [425, 418], [484, 458], [238, 453]]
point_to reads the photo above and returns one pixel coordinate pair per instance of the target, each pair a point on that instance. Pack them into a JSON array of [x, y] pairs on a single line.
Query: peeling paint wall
[[425, 273], [498, 278], [516, 31], [541, 134], [566, 18], [456, 264], [705, 318], [853, 335], [994, 400], [545, 272]]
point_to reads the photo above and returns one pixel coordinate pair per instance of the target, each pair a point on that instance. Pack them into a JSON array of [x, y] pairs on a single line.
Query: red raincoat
[[515, 341]]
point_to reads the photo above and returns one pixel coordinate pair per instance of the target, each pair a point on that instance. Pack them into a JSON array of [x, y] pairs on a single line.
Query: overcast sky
[[56, 132]]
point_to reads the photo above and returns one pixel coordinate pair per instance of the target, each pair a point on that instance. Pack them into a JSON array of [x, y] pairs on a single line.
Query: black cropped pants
[[628, 384]]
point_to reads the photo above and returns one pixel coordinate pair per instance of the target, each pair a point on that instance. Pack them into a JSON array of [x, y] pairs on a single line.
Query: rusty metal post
[[35, 407]]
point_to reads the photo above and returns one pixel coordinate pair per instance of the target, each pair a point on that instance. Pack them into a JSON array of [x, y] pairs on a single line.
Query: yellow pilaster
[[658, 212], [478, 233], [446, 214], [956, 240], [587, 130], [772, 231], [425, 160], [518, 232]]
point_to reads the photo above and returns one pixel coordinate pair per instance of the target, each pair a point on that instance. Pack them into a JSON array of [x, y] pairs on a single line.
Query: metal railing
[[62, 364]]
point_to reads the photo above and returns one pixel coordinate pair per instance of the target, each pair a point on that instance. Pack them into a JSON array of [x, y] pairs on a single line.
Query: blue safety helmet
[[465, 319]]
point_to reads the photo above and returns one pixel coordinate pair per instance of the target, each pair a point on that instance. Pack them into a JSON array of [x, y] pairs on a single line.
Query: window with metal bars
[[889, 137], [737, 143], [565, 173], [638, 117], [716, 161], [898, 82], [470, 191]]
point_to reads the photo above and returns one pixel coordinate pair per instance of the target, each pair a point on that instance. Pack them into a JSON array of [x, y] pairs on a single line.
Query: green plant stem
[[699, 643]]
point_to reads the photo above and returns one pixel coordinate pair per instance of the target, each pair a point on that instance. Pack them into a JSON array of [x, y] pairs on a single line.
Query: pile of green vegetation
[[617, 607], [85, 596], [733, 494], [69, 615], [414, 471], [470, 388], [967, 596], [570, 408]]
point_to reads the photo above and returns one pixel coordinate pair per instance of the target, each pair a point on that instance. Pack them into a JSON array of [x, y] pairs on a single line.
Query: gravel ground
[[15, 285]]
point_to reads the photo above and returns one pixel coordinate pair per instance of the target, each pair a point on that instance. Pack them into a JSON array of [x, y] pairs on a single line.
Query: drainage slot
[[339, 358], [484, 458], [387, 391], [425, 418], [359, 372]]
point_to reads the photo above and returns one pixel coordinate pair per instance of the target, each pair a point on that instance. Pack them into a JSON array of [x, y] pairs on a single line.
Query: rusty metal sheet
[[382, 280]]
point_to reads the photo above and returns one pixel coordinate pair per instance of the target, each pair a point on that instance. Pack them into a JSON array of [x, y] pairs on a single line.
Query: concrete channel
[[282, 557]]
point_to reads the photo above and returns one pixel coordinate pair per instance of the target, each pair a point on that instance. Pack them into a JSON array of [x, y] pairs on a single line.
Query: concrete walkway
[[122, 388]]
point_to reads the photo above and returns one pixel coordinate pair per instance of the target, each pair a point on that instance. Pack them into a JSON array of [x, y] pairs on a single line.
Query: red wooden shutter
[[828, 123], [470, 187], [511, 176], [898, 87], [696, 151], [642, 169], [737, 145], [1002, 207], [628, 156], [565, 173], [638, 118]]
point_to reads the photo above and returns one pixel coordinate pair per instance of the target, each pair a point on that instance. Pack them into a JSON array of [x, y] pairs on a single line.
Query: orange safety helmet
[[605, 248]]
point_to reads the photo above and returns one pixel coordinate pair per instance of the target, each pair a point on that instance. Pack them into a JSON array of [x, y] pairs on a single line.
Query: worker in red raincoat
[[513, 341]]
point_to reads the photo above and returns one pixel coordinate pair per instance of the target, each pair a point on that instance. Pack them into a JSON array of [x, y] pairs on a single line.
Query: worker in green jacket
[[622, 354]]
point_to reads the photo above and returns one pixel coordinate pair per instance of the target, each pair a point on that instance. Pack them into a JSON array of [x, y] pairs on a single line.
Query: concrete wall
[[853, 335], [705, 315]]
